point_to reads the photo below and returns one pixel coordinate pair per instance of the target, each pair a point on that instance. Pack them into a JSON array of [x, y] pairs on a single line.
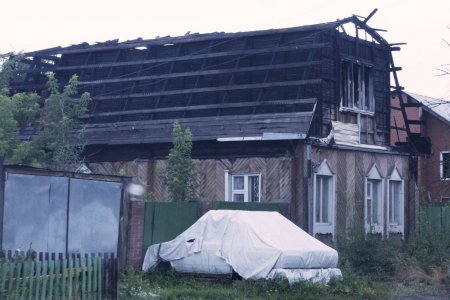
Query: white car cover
[[253, 243]]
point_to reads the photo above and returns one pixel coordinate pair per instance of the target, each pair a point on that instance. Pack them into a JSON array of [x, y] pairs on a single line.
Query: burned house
[[296, 115]]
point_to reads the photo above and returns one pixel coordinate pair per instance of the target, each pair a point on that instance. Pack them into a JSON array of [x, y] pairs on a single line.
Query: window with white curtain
[[324, 199], [395, 207], [373, 203]]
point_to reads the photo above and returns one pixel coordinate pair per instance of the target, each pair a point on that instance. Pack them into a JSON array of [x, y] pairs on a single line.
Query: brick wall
[[439, 133], [135, 234]]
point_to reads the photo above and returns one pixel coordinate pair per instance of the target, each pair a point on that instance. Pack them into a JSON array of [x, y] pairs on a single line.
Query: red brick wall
[[439, 133], [135, 234]]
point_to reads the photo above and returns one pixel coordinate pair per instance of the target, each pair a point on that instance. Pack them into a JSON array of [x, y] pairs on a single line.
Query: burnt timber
[[220, 85]]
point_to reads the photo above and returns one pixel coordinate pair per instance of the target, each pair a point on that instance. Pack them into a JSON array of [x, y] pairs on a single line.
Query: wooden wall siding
[[351, 168], [138, 170], [299, 210]]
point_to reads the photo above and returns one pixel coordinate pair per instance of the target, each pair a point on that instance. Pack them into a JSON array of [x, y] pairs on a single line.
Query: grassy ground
[[170, 285]]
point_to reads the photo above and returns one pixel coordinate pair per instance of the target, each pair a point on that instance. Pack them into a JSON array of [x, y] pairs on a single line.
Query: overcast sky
[[38, 24]]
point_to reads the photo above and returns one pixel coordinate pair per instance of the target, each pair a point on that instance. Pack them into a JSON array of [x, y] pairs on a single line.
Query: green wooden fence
[[437, 216], [163, 221], [253, 206], [78, 277]]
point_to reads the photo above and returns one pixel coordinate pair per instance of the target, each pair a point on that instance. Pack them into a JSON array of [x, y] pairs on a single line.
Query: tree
[[58, 139], [179, 175]]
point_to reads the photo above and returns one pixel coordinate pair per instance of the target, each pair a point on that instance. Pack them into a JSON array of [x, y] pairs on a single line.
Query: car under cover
[[255, 244]]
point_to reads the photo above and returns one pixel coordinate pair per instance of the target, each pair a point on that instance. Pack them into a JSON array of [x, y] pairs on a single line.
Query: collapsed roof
[[268, 84]]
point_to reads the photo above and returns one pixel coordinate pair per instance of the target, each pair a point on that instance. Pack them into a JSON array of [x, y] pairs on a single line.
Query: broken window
[[445, 165], [357, 87], [244, 187]]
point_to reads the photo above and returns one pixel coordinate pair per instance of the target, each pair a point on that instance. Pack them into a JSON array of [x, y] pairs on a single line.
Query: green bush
[[369, 254], [429, 246]]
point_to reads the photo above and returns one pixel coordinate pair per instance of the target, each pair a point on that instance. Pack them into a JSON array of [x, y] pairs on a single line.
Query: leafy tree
[[58, 139], [179, 175]]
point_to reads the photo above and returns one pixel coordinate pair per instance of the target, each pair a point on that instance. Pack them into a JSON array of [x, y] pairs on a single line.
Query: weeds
[[171, 285]]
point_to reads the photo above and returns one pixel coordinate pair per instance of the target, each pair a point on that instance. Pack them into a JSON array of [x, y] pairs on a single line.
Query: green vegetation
[[170, 285], [179, 175], [58, 139], [373, 268]]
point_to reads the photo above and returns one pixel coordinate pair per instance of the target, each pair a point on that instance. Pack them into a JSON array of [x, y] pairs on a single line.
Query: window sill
[[358, 111], [376, 229], [323, 228], [396, 229]]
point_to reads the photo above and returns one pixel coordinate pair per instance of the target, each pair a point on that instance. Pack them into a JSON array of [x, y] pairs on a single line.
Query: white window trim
[[229, 185], [396, 228], [325, 228], [441, 165], [374, 174]]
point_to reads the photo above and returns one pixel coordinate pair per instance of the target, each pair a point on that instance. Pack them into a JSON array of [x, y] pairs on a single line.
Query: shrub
[[369, 254]]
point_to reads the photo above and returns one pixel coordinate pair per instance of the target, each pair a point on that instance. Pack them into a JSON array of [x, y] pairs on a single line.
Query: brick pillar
[[135, 234]]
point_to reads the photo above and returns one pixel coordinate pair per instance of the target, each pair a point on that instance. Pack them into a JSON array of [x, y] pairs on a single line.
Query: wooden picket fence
[[51, 276]]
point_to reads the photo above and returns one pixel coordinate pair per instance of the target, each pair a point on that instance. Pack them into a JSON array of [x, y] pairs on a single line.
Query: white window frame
[[348, 96], [229, 188], [441, 164], [325, 228], [394, 227], [374, 175]]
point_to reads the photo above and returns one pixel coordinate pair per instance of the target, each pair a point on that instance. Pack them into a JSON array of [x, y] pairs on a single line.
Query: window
[[373, 204], [395, 203], [357, 87], [324, 198], [243, 187], [445, 165]]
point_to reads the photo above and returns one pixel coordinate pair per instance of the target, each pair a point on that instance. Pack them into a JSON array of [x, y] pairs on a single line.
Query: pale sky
[[38, 24]]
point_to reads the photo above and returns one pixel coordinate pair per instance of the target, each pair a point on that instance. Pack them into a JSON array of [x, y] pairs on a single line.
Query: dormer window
[[357, 87]]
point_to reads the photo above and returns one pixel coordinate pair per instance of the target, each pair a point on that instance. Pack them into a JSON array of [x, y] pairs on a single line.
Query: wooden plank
[[19, 281], [44, 279], [51, 269], [212, 89], [26, 267], [10, 278], [77, 276], [38, 279], [31, 279], [203, 121], [89, 276], [70, 275], [197, 56], [99, 277], [4, 273], [63, 278], [94, 274], [203, 73], [305, 101], [83, 277]]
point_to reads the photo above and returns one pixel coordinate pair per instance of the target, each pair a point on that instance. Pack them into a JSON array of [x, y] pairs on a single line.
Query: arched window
[[395, 203], [324, 199], [373, 201]]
